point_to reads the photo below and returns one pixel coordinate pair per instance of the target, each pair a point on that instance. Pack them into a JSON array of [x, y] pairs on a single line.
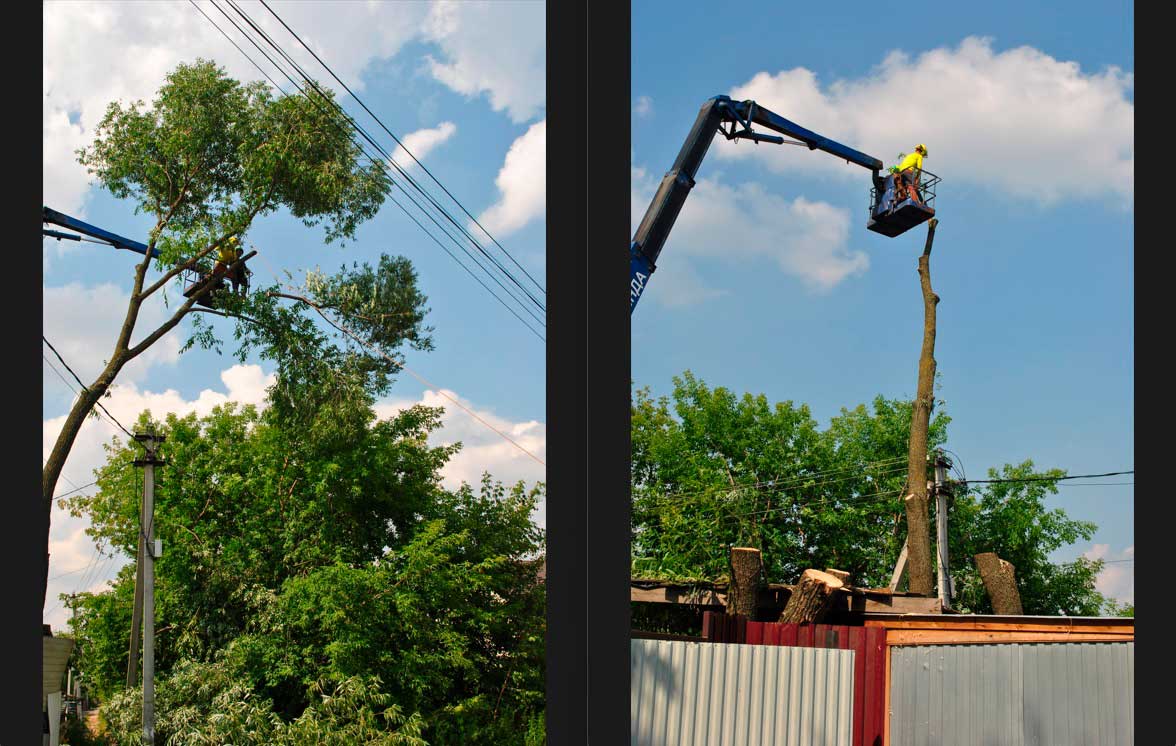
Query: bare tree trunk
[[1001, 583], [921, 577], [743, 591], [81, 409]]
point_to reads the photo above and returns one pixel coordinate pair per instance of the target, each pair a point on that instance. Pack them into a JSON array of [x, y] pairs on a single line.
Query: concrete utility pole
[[150, 550], [941, 493], [137, 611]]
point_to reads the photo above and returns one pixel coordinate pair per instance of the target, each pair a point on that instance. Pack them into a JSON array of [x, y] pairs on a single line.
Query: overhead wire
[[408, 178], [310, 81], [1047, 479], [656, 502], [805, 480], [373, 160], [401, 144], [107, 419], [84, 387]]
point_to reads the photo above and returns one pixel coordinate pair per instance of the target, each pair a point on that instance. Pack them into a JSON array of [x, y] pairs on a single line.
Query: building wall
[[722, 694], [1070, 694]]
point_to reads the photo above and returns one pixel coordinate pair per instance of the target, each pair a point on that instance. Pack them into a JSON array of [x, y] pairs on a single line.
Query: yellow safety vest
[[227, 254], [914, 160]]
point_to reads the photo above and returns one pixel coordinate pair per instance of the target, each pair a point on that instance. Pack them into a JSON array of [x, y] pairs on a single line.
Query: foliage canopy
[[711, 470]]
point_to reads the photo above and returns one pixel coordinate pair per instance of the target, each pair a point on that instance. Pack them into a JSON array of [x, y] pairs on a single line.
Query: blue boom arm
[[717, 112], [117, 241]]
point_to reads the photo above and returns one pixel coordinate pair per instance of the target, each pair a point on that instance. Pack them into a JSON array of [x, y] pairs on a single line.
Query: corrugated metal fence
[[868, 644], [716, 694], [1013, 694]]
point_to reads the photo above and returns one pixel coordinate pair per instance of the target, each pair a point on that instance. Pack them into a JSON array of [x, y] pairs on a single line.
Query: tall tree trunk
[[921, 577], [88, 398]]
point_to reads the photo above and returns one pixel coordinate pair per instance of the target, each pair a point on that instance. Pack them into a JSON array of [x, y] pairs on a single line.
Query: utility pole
[[150, 550], [941, 495], [70, 680], [137, 611]]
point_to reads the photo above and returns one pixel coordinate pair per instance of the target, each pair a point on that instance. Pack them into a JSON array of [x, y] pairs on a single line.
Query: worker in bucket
[[226, 255], [909, 171]]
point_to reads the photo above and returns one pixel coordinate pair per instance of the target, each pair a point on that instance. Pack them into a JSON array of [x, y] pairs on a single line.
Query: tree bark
[[841, 575], [1001, 583], [743, 591], [811, 598], [919, 571]]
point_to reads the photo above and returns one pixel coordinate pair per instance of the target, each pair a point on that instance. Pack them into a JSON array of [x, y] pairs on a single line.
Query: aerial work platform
[[893, 213]]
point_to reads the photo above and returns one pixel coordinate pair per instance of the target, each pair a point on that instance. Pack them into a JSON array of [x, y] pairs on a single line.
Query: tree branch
[[164, 328]]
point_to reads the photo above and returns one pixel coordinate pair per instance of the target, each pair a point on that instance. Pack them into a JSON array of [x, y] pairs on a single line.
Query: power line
[[77, 489], [84, 387], [1046, 479], [376, 145], [107, 419], [402, 145], [373, 160], [402, 172], [801, 480]]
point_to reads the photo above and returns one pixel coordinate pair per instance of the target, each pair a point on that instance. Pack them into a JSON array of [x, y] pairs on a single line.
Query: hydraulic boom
[[734, 119]]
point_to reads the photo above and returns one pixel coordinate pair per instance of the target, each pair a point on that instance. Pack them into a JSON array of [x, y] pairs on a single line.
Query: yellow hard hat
[[921, 148], [233, 239]]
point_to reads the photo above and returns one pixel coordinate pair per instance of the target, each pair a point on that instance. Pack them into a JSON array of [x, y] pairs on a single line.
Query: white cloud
[[483, 450], [679, 285], [1117, 579], [1018, 122], [98, 52], [806, 239], [643, 107], [69, 547], [522, 183], [473, 37], [83, 323], [421, 143]]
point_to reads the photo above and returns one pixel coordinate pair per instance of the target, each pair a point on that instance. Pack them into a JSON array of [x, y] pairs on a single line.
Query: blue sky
[[772, 284], [462, 84]]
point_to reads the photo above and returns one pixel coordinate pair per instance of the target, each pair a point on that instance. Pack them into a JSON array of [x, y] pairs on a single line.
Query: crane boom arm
[[675, 186], [57, 218]]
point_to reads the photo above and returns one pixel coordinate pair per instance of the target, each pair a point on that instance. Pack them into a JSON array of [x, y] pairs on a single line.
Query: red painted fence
[[869, 661]]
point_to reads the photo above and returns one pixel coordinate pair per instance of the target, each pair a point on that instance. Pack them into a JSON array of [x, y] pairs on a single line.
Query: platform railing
[[926, 189]]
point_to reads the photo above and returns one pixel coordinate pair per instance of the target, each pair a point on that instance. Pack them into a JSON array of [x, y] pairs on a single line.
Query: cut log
[[811, 598], [743, 591], [842, 575], [1000, 582]]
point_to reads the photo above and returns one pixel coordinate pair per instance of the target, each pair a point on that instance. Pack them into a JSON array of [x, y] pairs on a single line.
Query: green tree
[[206, 158], [1010, 518], [711, 469], [714, 469], [303, 554]]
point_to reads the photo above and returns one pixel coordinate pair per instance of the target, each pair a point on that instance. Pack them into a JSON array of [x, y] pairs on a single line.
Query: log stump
[[743, 591], [1001, 583], [811, 598]]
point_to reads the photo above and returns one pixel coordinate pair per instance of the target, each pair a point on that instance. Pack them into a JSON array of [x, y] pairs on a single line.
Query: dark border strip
[[566, 360], [607, 166]]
